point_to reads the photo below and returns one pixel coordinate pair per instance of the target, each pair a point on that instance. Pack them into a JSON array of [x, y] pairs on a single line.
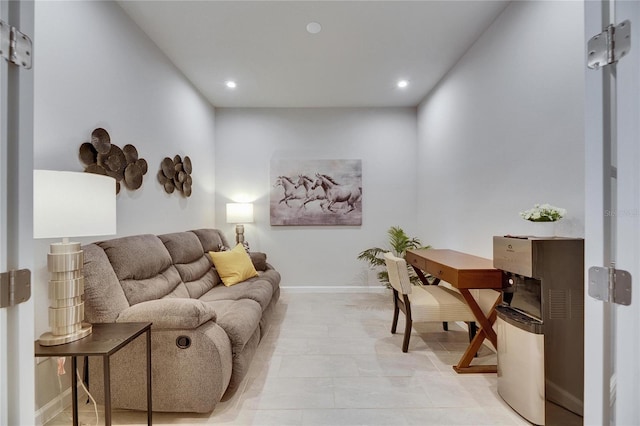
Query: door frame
[[612, 113], [626, 337], [17, 365]]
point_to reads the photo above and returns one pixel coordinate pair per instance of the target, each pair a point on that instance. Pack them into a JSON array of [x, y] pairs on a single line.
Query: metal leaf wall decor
[[176, 174], [105, 158]]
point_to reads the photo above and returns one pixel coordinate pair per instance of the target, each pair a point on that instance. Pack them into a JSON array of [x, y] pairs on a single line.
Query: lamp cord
[[60, 372], [95, 406]]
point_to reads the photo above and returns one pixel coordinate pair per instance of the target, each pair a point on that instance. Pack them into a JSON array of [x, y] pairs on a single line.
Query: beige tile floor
[[330, 359]]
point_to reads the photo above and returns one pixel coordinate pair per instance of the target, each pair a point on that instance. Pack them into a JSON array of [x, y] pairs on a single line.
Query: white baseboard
[[333, 289]]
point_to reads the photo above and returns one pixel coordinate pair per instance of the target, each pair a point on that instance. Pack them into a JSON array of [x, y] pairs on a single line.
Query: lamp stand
[[240, 236], [66, 288]]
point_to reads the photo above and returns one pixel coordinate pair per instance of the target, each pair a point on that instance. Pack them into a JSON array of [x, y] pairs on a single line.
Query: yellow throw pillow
[[233, 266]]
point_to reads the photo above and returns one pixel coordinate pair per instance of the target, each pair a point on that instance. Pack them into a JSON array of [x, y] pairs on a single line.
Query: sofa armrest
[[259, 260], [169, 313]]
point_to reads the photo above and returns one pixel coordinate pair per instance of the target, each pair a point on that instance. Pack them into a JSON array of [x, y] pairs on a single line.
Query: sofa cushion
[[233, 266], [183, 247], [144, 267], [192, 263], [170, 313], [211, 239], [239, 319], [137, 257], [101, 284], [271, 276], [199, 286], [165, 283], [256, 289]]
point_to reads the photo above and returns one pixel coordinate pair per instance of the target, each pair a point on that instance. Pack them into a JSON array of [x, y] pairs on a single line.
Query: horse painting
[[315, 192], [338, 193]]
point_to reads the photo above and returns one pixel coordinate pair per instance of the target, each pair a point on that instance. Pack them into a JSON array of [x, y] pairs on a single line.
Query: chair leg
[[394, 325], [407, 335], [445, 326], [408, 323], [473, 329], [396, 311]]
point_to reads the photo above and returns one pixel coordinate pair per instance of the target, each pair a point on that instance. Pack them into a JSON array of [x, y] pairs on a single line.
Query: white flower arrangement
[[543, 213]]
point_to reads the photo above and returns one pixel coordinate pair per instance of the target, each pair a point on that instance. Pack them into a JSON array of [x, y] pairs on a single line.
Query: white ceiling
[[355, 61]]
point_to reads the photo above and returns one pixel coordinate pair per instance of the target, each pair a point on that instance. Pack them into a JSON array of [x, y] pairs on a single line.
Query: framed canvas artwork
[[316, 192]]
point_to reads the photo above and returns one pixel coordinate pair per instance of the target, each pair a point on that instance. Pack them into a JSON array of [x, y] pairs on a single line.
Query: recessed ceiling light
[[402, 84], [231, 84], [314, 28]]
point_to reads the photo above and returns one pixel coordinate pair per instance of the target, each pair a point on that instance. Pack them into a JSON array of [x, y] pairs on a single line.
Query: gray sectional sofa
[[204, 334]]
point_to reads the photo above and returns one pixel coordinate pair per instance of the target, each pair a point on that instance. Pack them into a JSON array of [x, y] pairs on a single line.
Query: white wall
[[95, 68], [505, 129], [383, 138]]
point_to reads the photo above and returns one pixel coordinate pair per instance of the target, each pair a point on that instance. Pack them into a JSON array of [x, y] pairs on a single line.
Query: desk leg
[[485, 323], [486, 331], [107, 390], [74, 389], [420, 275], [149, 408], [423, 277]]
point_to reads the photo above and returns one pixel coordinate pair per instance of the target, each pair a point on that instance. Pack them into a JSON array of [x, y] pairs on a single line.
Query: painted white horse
[[316, 194], [338, 193], [290, 190]]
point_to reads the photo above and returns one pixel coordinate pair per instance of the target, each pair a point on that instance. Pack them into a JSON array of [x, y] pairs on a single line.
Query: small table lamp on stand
[[70, 204], [240, 213]]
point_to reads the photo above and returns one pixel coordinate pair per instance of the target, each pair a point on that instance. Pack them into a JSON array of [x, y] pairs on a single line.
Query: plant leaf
[[399, 243]]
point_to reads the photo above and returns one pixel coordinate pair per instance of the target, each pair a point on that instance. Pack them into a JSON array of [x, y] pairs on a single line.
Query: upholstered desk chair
[[422, 303]]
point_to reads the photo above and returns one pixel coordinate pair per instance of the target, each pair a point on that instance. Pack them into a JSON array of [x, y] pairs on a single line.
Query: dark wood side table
[[104, 341]]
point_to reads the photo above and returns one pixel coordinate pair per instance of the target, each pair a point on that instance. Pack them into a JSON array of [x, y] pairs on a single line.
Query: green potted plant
[[399, 242]]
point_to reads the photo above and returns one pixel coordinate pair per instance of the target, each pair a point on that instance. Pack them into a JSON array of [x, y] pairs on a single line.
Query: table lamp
[[70, 204], [240, 213]]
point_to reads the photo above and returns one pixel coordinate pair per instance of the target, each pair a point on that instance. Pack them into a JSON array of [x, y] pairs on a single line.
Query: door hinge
[[15, 287], [15, 46], [609, 46], [610, 285]]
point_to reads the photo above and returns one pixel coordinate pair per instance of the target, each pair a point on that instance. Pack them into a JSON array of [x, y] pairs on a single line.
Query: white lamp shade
[[73, 204], [239, 212]]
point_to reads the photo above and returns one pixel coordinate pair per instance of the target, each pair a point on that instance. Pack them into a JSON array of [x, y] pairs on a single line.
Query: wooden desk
[[464, 272], [104, 341]]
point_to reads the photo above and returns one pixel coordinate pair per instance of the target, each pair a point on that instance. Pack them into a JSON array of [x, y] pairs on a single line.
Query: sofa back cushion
[[104, 298], [191, 262], [144, 268], [211, 239]]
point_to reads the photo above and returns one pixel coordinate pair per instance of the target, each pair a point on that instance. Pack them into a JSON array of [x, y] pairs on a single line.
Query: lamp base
[[66, 288], [240, 237], [239, 234], [50, 339]]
